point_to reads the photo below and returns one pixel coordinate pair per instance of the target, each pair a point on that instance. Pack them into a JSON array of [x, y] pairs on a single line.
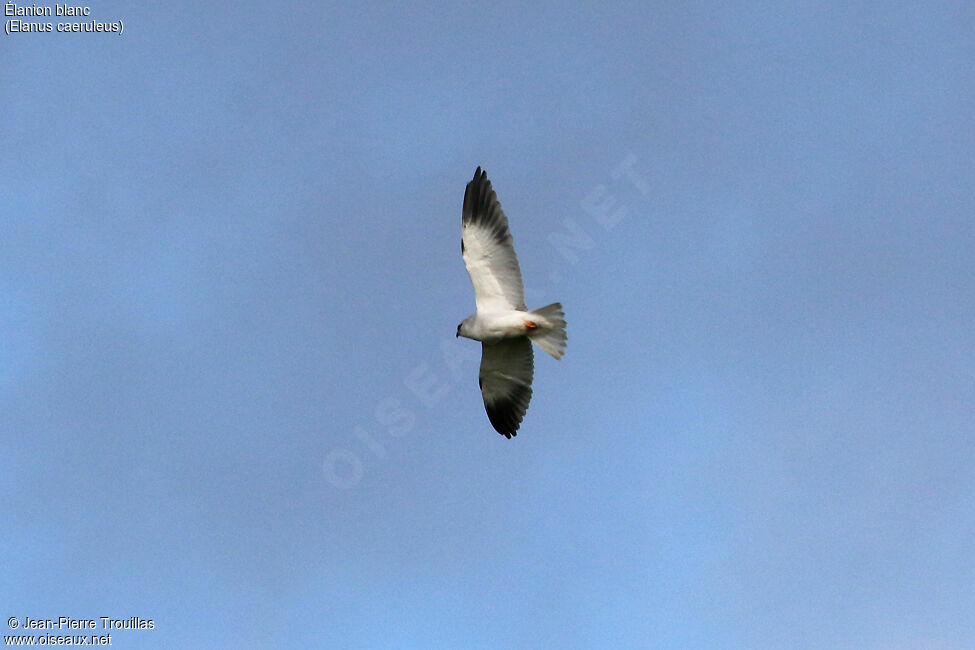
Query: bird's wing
[[487, 249], [505, 378]]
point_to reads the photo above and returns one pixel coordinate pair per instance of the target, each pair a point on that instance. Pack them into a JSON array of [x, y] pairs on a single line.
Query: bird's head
[[464, 328]]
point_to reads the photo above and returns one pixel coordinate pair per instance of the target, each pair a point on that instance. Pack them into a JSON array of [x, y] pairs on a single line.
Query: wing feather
[[487, 248], [507, 369]]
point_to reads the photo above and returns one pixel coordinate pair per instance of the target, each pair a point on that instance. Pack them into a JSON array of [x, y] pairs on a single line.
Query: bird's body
[[491, 327], [502, 322]]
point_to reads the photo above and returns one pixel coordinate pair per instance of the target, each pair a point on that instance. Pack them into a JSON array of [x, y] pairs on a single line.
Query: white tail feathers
[[550, 335]]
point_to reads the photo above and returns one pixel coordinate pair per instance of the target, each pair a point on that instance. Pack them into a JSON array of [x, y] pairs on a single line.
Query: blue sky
[[231, 399]]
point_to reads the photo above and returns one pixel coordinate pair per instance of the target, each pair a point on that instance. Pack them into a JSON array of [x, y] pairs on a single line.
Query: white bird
[[501, 321]]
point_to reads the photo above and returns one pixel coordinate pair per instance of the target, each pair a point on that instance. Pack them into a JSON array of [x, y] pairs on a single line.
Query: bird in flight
[[501, 322]]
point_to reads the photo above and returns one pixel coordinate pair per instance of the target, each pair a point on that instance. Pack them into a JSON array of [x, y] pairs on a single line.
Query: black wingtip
[[506, 415], [482, 208], [480, 178]]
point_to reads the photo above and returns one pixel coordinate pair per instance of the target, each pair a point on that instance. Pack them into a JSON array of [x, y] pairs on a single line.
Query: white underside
[[494, 326]]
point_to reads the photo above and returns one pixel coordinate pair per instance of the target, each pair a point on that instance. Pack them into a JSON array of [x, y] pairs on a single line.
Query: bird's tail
[[550, 336]]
